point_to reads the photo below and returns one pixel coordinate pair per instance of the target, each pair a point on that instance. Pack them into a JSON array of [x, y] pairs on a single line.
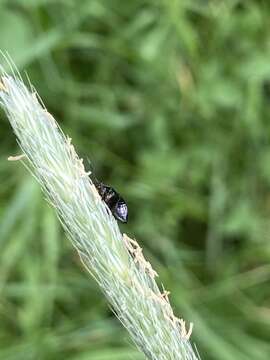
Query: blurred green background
[[170, 101]]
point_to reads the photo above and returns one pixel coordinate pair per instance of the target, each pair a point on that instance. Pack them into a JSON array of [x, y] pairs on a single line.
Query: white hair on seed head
[[116, 262]]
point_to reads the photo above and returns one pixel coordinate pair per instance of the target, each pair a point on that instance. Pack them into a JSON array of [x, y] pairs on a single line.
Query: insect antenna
[[92, 176]]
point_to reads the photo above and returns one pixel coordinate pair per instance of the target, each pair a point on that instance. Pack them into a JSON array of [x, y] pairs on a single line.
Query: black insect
[[114, 201]]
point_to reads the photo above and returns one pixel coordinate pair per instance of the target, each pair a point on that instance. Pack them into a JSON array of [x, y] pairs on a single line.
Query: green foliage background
[[170, 101]]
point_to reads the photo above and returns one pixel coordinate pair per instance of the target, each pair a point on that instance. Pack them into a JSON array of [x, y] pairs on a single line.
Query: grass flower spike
[[114, 260]]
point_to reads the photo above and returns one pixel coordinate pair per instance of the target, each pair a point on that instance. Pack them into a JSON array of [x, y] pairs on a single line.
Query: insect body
[[114, 201]]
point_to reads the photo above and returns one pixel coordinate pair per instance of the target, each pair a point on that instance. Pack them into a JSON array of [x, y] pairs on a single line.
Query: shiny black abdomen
[[114, 201]]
